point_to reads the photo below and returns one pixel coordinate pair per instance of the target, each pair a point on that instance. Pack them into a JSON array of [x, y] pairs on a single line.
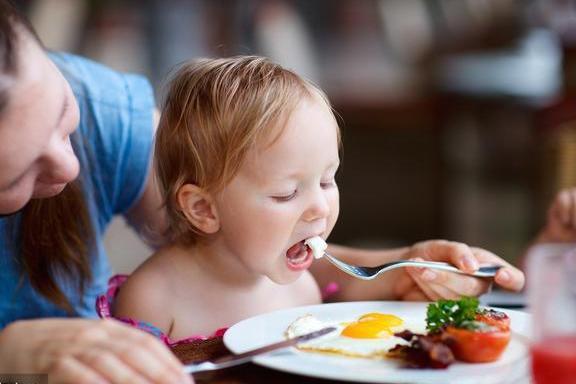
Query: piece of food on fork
[[317, 245]]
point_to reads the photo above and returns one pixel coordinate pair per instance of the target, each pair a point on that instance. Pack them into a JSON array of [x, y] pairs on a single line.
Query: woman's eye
[[285, 197]]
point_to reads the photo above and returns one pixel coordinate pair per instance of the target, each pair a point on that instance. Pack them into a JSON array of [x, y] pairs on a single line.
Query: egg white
[[335, 343]]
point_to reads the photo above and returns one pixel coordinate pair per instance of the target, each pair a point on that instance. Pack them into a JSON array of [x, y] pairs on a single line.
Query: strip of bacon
[[424, 351]]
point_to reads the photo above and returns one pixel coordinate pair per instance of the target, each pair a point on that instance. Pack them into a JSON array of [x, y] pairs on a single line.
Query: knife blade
[[241, 358]]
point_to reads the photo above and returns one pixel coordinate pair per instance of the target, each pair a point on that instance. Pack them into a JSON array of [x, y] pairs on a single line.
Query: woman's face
[[36, 156]]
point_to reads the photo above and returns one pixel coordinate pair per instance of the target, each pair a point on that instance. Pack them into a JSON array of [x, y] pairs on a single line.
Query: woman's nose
[[61, 164]]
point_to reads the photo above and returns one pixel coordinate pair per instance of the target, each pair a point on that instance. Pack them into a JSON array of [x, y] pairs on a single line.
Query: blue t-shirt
[[113, 143]]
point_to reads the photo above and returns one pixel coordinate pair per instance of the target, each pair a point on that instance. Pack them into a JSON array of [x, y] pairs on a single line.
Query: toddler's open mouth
[[299, 256]]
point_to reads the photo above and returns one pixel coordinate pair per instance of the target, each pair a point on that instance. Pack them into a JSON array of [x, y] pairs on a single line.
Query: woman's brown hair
[[54, 235], [215, 111]]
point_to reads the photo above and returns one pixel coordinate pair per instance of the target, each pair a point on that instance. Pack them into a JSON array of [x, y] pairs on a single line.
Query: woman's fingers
[[68, 370], [144, 354], [461, 255], [79, 351], [507, 277], [510, 278], [109, 365], [447, 285], [145, 340], [458, 254], [121, 354]]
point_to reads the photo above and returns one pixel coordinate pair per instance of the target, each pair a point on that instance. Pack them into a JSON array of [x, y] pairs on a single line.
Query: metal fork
[[369, 273]]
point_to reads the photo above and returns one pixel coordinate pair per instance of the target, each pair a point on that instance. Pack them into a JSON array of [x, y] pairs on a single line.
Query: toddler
[[246, 155]]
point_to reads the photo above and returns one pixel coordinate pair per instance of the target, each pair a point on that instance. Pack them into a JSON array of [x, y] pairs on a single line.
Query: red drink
[[554, 360]]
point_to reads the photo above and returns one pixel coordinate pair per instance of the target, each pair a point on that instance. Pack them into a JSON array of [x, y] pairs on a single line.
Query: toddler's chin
[[288, 277]]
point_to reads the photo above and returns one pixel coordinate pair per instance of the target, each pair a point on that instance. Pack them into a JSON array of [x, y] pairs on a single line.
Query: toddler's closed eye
[[328, 184], [284, 198]]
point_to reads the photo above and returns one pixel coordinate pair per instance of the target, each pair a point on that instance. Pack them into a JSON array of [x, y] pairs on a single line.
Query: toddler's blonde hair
[[215, 111]]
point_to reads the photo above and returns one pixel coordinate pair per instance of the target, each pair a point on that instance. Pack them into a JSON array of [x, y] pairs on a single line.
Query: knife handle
[[210, 366], [233, 360]]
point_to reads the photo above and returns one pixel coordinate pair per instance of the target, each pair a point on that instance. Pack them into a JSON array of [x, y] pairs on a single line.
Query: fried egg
[[369, 336]]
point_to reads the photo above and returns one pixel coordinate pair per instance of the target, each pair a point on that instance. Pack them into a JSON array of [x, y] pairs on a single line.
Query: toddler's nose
[[318, 208]]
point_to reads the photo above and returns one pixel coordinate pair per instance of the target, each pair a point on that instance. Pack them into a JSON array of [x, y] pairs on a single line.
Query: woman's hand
[[87, 351], [561, 219], [433, 284]]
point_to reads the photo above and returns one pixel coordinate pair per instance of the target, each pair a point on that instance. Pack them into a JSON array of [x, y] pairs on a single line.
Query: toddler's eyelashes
[[285, 197], [328, 184]]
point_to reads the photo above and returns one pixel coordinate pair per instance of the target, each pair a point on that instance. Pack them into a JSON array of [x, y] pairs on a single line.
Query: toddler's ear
[[198, 207]]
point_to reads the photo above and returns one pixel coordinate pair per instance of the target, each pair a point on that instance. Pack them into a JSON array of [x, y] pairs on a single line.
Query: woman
[[61, 241], [75, 143]]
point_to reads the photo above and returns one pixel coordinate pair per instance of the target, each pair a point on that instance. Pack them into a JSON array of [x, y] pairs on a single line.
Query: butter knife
[[233, 360]]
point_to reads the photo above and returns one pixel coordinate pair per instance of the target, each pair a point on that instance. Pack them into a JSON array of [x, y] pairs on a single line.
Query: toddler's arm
[[142, 298]]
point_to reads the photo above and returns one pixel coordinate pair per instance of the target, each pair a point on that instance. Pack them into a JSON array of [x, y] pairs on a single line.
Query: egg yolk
[[372, 325]]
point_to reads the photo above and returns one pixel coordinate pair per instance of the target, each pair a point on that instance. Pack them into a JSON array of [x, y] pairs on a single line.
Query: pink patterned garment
[[105, 302], [104, 309]]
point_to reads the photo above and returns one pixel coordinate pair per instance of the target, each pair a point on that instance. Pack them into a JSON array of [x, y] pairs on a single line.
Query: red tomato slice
[[475, 346], [494, 318]]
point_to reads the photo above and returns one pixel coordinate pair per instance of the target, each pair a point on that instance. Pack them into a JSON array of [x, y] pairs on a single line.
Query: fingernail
[[504, 276], [471, 263], [429, 275]]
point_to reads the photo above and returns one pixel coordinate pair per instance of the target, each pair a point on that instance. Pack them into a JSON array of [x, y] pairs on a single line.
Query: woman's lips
[[299, 257]]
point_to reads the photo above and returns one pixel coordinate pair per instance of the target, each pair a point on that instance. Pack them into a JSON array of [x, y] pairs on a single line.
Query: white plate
[[268, 328]]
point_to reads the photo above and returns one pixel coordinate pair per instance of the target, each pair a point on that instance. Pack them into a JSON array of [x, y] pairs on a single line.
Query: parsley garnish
[[451, 312]]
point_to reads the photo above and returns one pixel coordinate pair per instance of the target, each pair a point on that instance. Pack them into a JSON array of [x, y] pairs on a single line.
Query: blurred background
[[457, 115]]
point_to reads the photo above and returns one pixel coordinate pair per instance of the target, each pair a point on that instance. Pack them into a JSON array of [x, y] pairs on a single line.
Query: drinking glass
[[551, 280]]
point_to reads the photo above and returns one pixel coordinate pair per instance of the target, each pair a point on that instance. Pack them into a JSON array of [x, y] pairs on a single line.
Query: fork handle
[[485, 271]]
